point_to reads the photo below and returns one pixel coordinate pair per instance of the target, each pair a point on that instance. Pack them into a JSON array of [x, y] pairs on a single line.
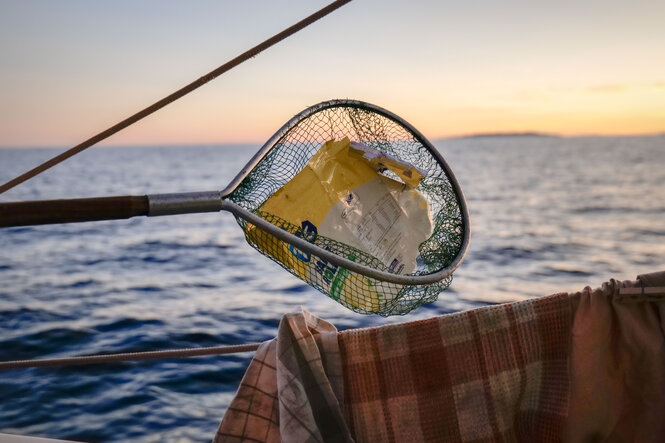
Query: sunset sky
[[70, 69]]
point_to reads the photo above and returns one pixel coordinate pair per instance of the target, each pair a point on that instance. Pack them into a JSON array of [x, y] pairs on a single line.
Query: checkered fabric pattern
[[287, 391], [588, 366], [490, 374]]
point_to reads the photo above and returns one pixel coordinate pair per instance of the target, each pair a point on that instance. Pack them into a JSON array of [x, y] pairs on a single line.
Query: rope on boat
[[129, 356], [176, 95]]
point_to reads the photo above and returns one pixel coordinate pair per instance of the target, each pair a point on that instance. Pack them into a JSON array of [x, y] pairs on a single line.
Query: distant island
[[506, 134]]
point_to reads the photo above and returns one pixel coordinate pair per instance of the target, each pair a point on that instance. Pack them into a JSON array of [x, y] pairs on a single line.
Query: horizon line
[[433, 139]]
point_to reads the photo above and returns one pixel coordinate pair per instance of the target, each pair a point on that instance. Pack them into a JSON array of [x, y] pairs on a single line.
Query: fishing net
[[384, 132]]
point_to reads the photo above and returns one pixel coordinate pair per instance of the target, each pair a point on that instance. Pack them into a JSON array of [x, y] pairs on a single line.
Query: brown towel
[[588, 366]]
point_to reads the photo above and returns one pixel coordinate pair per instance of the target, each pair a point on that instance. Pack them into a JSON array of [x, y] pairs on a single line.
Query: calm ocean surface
[[548, 215]]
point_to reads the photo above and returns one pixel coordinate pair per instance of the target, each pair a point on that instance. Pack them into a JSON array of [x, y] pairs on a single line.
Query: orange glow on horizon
[[598, 110], [442, 67]]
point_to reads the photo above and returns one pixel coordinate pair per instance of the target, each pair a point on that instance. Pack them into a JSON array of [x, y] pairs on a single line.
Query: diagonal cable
[[174, 96]]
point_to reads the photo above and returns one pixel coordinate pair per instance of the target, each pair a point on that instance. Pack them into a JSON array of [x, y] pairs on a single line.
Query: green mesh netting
[[290, 154]]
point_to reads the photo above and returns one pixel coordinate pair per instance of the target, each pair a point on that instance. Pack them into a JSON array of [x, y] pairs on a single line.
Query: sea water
[[548, 215]]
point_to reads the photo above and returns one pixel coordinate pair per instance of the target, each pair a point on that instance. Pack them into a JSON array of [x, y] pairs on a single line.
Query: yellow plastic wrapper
[[341, 194]]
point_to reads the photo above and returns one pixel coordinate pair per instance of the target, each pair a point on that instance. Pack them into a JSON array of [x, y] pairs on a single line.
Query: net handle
[[42, 212], [168, 204]]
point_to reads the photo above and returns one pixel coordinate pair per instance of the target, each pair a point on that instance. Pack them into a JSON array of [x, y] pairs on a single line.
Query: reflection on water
[[548, 215]]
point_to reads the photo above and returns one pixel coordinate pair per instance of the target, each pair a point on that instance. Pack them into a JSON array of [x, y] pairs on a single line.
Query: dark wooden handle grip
[[42, 212]]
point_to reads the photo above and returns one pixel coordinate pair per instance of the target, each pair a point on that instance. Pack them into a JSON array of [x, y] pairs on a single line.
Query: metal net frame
[[292, 148]]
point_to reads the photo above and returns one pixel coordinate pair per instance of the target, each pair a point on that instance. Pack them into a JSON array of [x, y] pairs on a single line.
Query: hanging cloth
[[568, 367]]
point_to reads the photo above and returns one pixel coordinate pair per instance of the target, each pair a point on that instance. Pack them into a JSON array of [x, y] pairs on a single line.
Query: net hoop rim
[[340, 261]]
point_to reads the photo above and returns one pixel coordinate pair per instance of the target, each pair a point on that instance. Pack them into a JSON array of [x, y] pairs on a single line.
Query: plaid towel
[[568, 367]]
